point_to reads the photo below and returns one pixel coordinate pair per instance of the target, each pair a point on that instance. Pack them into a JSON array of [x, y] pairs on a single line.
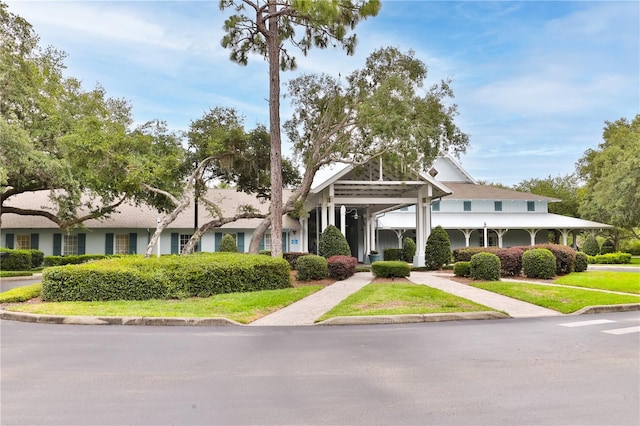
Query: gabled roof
[[469, 191], [449, 170]]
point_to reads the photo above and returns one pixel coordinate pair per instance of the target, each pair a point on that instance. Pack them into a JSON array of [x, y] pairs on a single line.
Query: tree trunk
[[273, 52], [166, 221], [258, 233]]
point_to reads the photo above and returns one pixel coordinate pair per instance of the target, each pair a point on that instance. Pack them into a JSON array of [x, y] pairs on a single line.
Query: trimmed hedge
[[15, 260], [390, 268], [292, 257], [137, 278], [75, 259], [618, 258], [333, 243], [341, 267], [539, 263], [485, 266], [392, 254], [462, 269], [312, 267], [581, 262], [408, 249], [464, 254], [37, 258]]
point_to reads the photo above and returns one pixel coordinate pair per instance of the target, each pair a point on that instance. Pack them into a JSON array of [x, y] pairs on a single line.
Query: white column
[[304, 237], [500, 233], [399, 233], [565, 236], [421, 242], [467, 236], [532, 233], [323, 213], [372, 230], [485, 235], [343, 220], [367, 233], [332, 211]]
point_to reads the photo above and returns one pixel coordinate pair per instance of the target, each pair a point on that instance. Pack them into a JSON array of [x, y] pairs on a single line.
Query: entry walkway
[[309, 309]]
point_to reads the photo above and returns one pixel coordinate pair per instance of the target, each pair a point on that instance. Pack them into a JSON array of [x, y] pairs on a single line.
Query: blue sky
[[534, 81]]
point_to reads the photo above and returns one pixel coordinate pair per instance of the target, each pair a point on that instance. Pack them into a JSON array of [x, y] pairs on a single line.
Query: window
[[267, 241], [70, 245], [122, 244], [531, 206], [467, 206], [497, 206], [435, 206], [23, 242], [493, 241], [184, 239]]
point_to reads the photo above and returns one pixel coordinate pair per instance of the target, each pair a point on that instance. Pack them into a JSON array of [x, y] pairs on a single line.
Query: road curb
[[412, 318], [604, 309]]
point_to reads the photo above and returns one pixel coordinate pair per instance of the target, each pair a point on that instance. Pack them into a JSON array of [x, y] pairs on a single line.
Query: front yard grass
[[562, 299], [241, 307], [626, 282], [401, 298]]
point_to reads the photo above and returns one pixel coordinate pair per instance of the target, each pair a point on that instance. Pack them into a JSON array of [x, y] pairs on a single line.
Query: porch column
[[304, 237], [323, 213], [343, 217], [565, 236], [372, 230], [486, 236], [367, 233], [500, 233], [467, 236], [422, 232], [399, 233], [532, 233], [332, 211]]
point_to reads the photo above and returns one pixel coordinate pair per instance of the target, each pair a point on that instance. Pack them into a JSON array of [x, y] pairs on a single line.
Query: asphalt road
[[13, 282], [499, 372]]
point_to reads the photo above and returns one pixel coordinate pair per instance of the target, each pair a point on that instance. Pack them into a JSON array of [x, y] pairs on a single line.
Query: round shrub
[[341, 267], [581, 262], [228, 244], [607, 247], [438, 250], [462, 269], [510, 261], [408, 249], [485, 266], [311, 267], [565, 257], [591, 246], [390, 269], [333, 243], [539, 263]]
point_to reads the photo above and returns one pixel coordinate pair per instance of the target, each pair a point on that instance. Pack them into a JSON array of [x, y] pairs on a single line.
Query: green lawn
[[21, 294], [241, 307], [627, 282], [561, 299], [401, 298]]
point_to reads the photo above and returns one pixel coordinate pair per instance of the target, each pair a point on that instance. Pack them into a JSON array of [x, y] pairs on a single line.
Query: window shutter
[[240, 242], [218, 240], [35, 241], [175, 242], [108, 243], [262, 243], [9, 241], [57, 244], [284, 242], [199, 245], [82, 243], [133, 243]]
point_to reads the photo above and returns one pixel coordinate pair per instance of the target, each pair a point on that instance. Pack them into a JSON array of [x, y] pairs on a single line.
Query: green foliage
[[408, 249], [464, 254], [390, 269], [438, 250], [565, 257], [74, 259], [37, 258], [137, 278], [607, 247], [292, 257], [341, 267], [510, 261], [539, 263], [485, 266], [21, 294], [631, 247], [228, 244], [392, 254], [610, 258], [591, 246], [564, 188], [581, 262], [333, 243], [311, 267], [15, 260], [462, 269], [612, 173]]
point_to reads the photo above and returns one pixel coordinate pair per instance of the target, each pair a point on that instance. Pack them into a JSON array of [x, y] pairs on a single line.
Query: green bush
[[617, 258], [408, 250], [37, 258], [632, 247], [462, 269], [228, 244], [15, 260], [341, 267], [333, 243], [565, 257], [591, 246], [21, 294], [539, 263], [392, 254], [137, 278], [292, 257], [390, 269], [438, 249], [607, 247], [311, 267], [75, 259], [485, 266], [464, 254], [265, 252], [581, 262]]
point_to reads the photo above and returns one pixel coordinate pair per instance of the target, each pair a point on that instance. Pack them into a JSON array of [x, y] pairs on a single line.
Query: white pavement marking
[[627, 330], [583, 323]]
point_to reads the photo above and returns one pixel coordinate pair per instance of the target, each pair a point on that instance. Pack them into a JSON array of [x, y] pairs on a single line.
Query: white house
[[374, 207]]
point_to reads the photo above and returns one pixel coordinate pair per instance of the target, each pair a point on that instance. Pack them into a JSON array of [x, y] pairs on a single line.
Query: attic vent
[[433, 172]]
